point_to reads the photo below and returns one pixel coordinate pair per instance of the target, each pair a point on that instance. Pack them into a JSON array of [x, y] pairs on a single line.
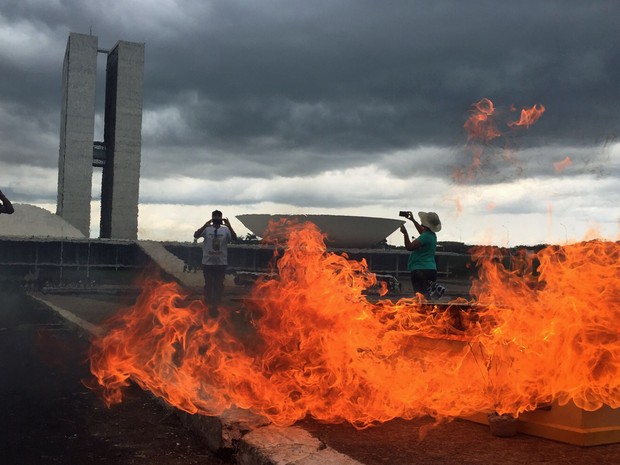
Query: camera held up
[[405, 214]]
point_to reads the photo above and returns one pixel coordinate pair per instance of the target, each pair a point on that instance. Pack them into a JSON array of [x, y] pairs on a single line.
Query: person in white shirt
[[217, 234]]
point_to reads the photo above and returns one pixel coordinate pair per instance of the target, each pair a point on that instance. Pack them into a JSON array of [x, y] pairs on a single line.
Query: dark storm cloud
[[405, 73], [296, 87]]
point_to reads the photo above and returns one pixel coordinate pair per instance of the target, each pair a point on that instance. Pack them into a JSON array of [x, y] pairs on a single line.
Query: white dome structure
[[29, 221], [341, 230]]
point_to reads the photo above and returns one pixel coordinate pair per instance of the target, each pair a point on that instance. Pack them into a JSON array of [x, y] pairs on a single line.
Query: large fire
[[546, 328]]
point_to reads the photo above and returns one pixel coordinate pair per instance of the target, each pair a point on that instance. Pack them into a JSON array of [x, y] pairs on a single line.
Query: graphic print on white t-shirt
[[215, 245]]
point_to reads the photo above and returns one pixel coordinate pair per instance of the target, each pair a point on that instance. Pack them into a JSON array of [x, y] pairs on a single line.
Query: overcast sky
[[341, 107]]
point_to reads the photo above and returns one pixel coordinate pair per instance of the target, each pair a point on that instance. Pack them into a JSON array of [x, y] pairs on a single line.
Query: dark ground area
[[49, 417], [459, 442]]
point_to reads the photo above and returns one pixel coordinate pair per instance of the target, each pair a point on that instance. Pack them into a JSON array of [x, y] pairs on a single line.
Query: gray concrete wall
[[38, 262], [123, 138], [77, 125]]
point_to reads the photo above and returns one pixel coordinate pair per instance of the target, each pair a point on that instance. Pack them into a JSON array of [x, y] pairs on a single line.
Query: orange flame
[[459, 206], [557, 317], [481, 125], [560, 166], [317, 346], [529, 116]]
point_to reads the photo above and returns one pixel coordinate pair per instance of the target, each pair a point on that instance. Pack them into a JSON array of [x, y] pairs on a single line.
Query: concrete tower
[[118, 154], [77, 126], [123, 140]]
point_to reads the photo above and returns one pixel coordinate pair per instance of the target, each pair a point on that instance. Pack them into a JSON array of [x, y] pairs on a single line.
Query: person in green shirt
[[421, 263]]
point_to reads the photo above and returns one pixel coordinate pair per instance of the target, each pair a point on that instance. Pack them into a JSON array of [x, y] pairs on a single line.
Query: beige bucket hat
[[430, 220]]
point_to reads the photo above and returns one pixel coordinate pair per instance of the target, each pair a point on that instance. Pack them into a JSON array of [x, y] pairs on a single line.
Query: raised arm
[[409, 244], [201, 229], [417, 225], [233, 234]]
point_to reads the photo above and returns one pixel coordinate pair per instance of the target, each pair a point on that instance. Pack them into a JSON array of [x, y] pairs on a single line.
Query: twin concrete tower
[[118, 154]]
